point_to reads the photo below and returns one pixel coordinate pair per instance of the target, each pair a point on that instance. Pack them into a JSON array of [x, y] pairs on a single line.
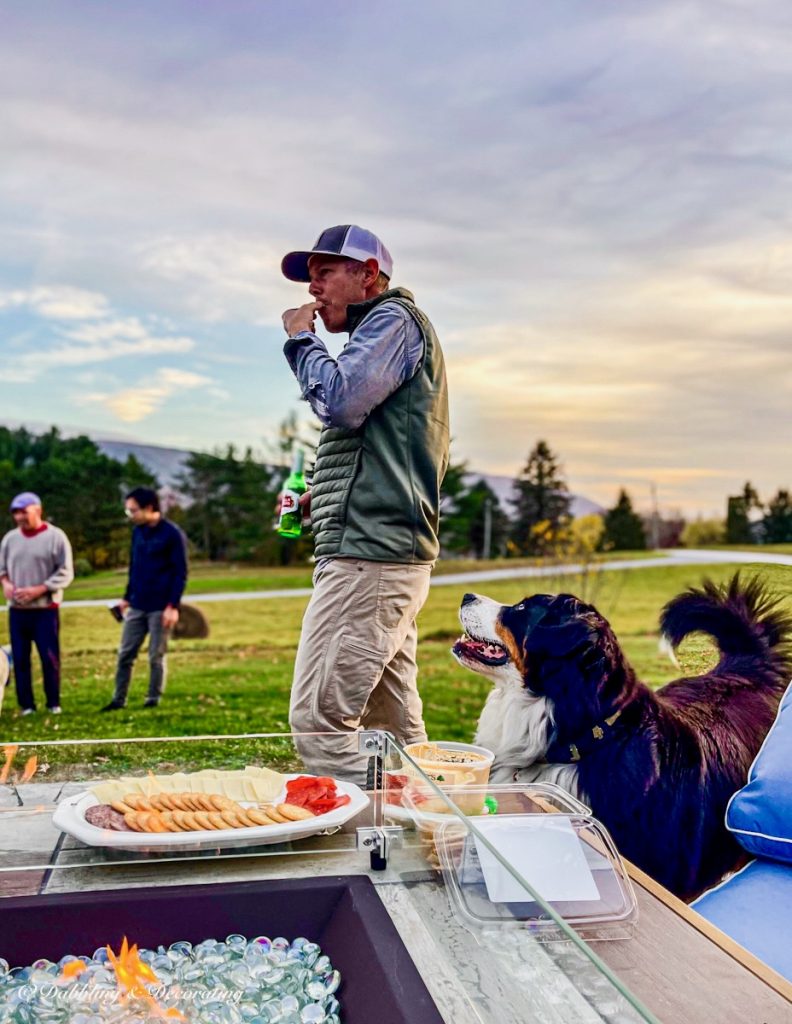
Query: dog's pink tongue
[[488, 650]]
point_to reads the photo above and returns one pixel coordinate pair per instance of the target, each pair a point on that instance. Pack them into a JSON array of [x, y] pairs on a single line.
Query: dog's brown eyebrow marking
[[508, 641]]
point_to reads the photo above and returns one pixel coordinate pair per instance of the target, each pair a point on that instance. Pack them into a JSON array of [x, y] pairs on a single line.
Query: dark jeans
[[39, 626], [137, 624]]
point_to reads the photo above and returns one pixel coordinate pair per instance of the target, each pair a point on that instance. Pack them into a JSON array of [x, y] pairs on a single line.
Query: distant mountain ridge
[[169, 464]]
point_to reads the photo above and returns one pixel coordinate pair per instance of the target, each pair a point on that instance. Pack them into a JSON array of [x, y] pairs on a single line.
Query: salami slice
[[105, 816]]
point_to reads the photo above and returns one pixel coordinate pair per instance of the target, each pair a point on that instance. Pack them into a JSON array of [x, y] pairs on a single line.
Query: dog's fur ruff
[[661, 773]]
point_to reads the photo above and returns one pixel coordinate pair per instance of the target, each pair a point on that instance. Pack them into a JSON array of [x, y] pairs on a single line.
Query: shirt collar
[[357, 311]]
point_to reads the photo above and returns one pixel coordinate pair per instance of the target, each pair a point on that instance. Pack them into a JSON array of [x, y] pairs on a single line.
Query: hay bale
[[192, 624]]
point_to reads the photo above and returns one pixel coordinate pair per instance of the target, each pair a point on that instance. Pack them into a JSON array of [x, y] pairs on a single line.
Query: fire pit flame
[[73, 969], [10, 752], [28, 771], [133, 975]]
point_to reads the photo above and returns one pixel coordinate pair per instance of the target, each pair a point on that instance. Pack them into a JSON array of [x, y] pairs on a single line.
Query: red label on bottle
[[289, 502]]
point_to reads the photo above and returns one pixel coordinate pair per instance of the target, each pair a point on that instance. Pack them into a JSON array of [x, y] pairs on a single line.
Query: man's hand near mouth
[[301, 319]]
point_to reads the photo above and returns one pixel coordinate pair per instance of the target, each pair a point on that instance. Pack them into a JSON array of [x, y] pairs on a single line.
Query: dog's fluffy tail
[[742, 616]]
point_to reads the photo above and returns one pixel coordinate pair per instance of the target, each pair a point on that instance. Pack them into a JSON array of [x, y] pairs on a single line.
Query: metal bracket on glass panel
[[376, 838], [377, 841], [371, 742]]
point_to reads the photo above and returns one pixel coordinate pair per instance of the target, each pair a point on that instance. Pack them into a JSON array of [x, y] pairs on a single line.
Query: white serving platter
[[69, 817]]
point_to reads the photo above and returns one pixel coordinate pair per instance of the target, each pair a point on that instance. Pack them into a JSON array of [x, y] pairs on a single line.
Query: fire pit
[[343, 915]]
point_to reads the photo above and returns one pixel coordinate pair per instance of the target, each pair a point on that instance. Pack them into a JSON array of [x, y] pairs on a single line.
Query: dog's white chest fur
[[514, 724]]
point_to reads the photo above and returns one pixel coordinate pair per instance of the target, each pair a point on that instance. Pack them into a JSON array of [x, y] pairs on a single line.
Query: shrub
[[701, 532], [82, 567]]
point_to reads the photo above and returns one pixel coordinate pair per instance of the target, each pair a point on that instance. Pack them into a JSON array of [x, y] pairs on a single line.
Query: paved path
[[674, 556]]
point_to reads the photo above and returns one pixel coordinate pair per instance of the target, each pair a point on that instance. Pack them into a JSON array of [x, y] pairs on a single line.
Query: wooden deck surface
[[686, 971]]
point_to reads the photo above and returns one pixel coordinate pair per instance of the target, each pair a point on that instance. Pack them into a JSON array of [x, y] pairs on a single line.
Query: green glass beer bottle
[[290, 521]]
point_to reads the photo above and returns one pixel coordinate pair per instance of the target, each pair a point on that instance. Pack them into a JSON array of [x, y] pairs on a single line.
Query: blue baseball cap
[[24, 499], [344, 240]]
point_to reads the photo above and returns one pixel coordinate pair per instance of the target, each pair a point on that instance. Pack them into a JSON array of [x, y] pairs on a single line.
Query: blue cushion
[[760, 814], [753, 908]]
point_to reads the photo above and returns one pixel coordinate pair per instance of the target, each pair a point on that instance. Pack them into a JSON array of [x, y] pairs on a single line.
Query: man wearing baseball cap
[[375, 496], [35, 567]]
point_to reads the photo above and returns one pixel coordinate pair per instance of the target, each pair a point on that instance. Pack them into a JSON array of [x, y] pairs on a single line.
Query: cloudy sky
[[592, 200]]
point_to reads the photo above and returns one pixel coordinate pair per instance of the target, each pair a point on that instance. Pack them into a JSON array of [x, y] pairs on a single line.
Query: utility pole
[[487, 528], [655, 531]]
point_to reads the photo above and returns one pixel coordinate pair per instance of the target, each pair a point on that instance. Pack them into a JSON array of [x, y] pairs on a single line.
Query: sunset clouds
[[591, 201]]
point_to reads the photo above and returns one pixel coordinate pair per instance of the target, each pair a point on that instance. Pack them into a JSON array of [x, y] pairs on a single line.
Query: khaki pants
[[355, 666]]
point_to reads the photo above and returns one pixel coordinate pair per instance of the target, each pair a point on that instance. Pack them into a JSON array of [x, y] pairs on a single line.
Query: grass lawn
[[237, 681]]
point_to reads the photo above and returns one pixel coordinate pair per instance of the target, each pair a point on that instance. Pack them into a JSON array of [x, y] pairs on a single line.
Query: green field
[[237, 681]]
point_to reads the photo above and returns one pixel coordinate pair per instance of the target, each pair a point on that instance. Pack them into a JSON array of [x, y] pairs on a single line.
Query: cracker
[[258, 817], [294, 813], [155, 823], [170, 822], [131, 818], [274, 813]]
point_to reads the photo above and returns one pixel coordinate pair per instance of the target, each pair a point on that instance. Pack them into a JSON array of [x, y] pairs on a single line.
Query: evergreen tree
[[738, 515], [470, 515], [777, 523], [623, 527], [542, 502], [230, 509]]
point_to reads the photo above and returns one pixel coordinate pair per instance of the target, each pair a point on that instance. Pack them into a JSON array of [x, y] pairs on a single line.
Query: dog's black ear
[[559, 641]]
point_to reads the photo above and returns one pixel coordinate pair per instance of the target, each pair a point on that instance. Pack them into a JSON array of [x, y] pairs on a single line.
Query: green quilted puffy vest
[[376, 490]]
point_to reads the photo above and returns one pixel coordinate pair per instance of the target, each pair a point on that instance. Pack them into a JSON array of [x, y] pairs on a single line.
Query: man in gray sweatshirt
[[35, 566]]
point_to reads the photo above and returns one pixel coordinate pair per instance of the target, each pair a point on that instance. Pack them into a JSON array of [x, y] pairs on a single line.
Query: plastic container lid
[[427, 808], [568, 859]]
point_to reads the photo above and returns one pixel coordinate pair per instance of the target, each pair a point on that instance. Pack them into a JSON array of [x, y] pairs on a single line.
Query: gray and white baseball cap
[[344, 240]]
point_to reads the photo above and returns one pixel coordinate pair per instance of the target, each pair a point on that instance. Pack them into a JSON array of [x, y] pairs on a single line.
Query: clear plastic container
[[466, 764], [567, 862], [429, 808]]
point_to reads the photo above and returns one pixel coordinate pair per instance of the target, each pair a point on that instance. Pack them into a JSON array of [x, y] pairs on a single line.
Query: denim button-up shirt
[[381, 354]]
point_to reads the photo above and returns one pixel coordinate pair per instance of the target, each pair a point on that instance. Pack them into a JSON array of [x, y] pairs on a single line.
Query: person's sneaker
[[114, 705], [55, 709], [28, 711], [151, 702]]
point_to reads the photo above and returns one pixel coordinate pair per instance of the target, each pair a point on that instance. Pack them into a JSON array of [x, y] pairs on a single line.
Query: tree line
[[80, 488], [225, 503], [749, 520]]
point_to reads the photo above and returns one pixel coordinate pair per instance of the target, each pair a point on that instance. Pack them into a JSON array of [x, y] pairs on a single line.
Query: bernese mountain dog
[[657, 767]]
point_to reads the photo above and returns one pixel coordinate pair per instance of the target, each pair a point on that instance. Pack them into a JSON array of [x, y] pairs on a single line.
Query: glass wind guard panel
[[509, 971], [493, 974], [45, 789]]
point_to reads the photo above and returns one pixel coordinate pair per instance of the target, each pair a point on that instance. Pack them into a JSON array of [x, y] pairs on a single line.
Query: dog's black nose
[[468, 598]]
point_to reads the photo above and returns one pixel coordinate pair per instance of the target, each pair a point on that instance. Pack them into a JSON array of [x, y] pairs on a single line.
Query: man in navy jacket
[[157, 578]]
